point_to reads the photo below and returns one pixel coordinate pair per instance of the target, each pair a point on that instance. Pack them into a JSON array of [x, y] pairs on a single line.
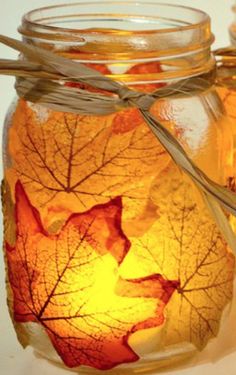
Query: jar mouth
[[47, 19]]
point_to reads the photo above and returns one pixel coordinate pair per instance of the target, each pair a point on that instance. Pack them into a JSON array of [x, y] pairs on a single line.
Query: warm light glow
[[105, 279], [69, 283]]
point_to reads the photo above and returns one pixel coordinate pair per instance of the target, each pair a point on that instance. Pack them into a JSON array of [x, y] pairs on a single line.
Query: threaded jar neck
[[125, 33]]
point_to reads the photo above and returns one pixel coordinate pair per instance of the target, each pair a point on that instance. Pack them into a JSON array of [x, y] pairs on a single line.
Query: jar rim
[[29, 21]]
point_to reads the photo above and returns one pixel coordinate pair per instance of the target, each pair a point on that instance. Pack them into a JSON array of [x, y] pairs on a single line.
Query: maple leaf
[[146, 68], [228, 99], [69, 163], [69, 283], [145, 71], [127, 120], [185, 244]]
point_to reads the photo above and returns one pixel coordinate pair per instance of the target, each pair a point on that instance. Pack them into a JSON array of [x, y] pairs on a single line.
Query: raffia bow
[[41, 77]]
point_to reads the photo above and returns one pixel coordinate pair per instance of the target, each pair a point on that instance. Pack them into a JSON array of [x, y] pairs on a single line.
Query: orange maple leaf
[[144, 72], [69, 283]]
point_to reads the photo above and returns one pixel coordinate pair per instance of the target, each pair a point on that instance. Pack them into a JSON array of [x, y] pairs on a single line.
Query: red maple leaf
[[69, 283]]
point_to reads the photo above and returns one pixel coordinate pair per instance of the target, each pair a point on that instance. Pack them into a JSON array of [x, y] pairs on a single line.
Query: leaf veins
[[70, 163], [185, 244]]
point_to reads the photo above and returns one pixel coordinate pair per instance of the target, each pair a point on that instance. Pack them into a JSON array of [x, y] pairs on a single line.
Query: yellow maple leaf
[[69, 163], [186, 245]]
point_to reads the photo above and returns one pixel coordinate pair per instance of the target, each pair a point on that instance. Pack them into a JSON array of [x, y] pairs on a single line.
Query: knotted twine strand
[[41, 77]]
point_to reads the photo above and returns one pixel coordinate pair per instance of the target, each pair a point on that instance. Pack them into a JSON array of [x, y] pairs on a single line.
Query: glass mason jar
[[232, 29], [227, 92], [114, 262]]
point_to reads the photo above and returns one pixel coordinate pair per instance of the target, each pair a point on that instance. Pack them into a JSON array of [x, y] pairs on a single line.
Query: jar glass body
[[232, 28], [227, 91], [114, 262]]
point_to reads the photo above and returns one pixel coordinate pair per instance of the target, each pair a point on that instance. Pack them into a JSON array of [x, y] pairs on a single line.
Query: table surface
[[14, 360]]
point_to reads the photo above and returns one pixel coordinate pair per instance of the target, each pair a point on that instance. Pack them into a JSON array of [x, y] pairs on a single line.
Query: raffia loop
[[139, 100], [226, 56], [41, 77], [43, 74]]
